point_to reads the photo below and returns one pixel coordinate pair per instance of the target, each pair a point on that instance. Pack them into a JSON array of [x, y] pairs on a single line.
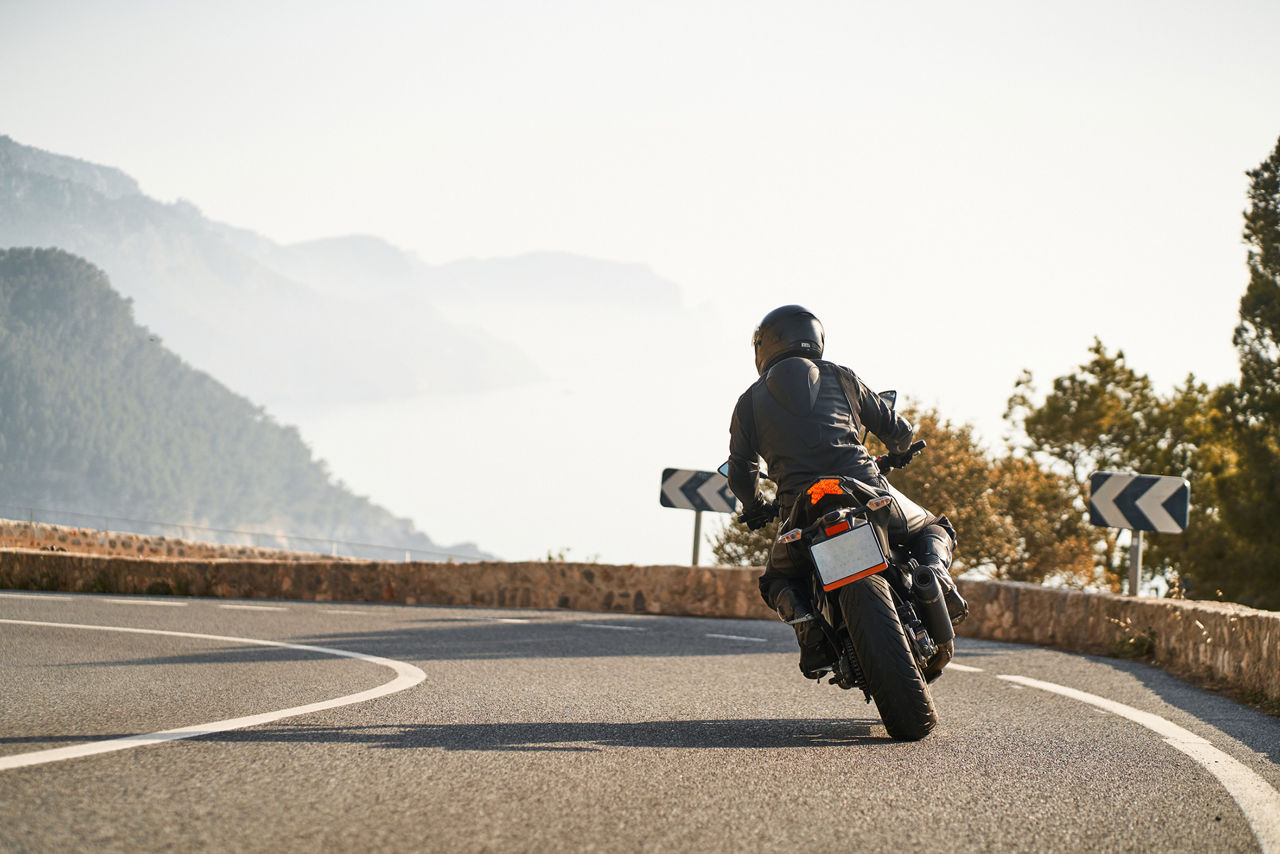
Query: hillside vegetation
[[96, 415]]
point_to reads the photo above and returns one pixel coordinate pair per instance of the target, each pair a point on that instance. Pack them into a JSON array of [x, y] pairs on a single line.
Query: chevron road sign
[[1139, 502], [696, 490]]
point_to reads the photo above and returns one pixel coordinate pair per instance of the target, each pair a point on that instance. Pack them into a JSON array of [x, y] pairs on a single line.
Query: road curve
[[537, 730]]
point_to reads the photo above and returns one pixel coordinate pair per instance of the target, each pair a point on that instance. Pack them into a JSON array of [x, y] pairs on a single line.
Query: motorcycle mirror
[[724, 468]]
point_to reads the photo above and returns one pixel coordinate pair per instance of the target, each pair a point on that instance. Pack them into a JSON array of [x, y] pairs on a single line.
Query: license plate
[[849, 556]]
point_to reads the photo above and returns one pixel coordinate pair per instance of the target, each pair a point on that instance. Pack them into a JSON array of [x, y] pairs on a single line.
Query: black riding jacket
[[800, 420]]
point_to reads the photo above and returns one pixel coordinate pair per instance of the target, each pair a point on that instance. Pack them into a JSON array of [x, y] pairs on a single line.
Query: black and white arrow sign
[[1139, 502], [696, 490]]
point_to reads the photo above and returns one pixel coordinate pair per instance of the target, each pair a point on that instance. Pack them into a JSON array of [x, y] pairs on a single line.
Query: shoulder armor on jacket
[[794, 384]]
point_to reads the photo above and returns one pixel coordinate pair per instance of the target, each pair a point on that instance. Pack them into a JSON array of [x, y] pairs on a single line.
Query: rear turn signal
[[790, 536], [881, 502]]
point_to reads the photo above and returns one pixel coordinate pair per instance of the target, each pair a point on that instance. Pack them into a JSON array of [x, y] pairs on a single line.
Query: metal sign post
[[1135, 562], [1138, 502], [697, 491]]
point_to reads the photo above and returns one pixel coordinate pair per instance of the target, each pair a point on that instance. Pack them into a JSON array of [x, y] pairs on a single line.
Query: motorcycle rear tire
[[893, 679]]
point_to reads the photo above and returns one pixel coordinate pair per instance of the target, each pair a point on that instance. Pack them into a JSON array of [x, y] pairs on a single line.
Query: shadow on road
[[578, 737]]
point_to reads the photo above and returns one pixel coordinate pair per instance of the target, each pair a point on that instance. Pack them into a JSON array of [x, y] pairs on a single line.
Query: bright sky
[[1000, 181]]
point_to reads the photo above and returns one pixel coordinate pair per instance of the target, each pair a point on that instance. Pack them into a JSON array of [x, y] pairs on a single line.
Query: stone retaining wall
[[1226, 643], [38, 535], [672, 590], [1219, 641]]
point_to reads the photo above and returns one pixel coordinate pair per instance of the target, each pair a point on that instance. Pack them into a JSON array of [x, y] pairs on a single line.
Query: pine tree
[[1250, 494]]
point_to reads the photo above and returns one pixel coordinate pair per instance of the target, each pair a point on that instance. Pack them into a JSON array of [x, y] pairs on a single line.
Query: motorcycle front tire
[[893, 679]]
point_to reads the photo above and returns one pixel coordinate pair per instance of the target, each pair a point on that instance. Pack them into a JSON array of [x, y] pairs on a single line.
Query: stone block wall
[[1220, 641], [671, 590], [37, 535]]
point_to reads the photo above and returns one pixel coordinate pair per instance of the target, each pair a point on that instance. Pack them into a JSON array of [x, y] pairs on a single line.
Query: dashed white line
[[1257, 800], [500, 619], [406, 677], [339, 611], [964, 668], [615, 628], [737, 637], [253, 607], [160, 602]]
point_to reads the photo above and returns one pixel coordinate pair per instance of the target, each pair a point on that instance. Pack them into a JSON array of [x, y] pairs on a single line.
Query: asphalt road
[[473, 729]]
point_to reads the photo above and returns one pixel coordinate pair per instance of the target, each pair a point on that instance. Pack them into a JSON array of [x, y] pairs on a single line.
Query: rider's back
[[805, 427]]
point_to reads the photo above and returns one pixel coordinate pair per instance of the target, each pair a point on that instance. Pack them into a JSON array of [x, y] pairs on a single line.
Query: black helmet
[[791, 330]]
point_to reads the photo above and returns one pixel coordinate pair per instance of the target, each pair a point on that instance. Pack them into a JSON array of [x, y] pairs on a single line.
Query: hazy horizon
[[1002, 183]]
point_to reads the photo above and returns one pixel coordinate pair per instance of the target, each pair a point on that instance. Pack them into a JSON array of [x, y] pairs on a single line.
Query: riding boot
[[932, 548], [816, 654]]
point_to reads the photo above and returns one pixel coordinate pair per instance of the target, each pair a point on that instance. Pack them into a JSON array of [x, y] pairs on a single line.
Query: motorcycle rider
[[803, 417]]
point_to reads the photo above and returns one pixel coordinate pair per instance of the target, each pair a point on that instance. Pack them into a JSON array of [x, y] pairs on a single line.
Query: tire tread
[[893, 679]]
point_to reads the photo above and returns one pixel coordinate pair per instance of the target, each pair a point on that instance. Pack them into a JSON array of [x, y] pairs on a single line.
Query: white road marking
[[49, 597], [339, 611], [407, 676], [1259, 802], [253, 607], [964, 668], [147, 602], [615, 628], [737, 637], [500, 619]]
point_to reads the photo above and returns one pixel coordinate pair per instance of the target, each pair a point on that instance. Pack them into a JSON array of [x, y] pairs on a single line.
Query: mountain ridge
[[98, 417]]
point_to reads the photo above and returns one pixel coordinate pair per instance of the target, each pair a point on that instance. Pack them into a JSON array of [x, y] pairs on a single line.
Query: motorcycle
[[881, 611]]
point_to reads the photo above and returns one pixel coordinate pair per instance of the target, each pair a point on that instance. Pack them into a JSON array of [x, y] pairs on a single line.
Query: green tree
[[1190, 437], [1105, 416], [1041, 535], [1094, 419], [1250, 489]]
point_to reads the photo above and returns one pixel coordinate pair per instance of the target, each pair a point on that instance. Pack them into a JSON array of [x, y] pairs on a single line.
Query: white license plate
[[848, 556]]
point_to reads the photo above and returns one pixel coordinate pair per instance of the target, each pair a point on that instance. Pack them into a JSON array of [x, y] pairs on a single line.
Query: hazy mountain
[[412, 379], [97, 416], [275, 324], [312, 324]]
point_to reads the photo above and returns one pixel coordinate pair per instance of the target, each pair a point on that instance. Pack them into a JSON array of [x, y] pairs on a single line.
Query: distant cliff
[[241, 307], [96, 415]]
